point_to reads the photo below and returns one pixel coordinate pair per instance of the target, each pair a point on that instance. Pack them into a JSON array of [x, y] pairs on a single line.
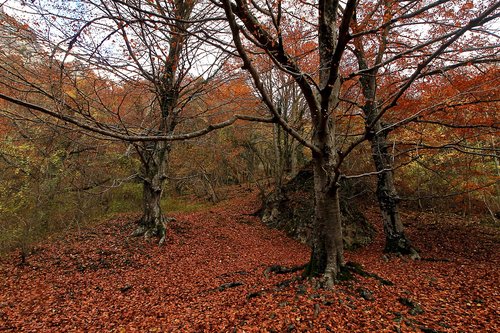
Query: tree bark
[[327, 256], [322, 98], [396, 240], [153, 173], [154, 155]]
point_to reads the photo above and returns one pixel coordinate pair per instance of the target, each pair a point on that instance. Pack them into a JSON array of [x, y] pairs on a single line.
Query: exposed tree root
[[225, 286], [153, 228], [347, 273], [436, 259], [400, 244], [351, 268]]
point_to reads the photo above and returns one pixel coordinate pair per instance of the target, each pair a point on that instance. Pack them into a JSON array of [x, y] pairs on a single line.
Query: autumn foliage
[[205, 109]]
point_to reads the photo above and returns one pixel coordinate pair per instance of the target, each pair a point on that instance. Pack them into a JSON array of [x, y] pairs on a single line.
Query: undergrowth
[[59, 212]]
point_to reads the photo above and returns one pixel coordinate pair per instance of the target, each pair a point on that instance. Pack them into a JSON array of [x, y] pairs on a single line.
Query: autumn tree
[[233, 155], [260, 25], [165, 71], [50, 179], [290, 103], [149, 49], [452, 142], [382, 84]]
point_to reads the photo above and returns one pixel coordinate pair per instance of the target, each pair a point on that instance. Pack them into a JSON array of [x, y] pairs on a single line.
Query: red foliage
[[99, 279]]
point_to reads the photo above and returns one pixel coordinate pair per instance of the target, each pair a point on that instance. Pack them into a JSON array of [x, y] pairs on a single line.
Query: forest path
[[211, 276]]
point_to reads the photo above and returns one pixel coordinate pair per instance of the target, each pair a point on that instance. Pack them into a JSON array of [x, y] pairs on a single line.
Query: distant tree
[[452, 143]]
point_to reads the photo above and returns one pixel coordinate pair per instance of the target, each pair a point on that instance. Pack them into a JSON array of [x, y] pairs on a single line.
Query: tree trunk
[[278, 156], [396, 240], [154, 155], [322, 99], [291, 209], [153, 173], [327, 256]]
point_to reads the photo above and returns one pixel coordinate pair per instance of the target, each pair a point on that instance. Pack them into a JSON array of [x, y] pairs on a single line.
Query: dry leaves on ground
[[212, 276]]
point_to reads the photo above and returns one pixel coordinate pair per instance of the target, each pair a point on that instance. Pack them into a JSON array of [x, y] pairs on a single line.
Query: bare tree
[[257, 30], [146, 48]]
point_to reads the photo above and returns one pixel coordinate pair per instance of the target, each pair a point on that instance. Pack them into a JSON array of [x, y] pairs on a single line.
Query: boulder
[[291, 209]]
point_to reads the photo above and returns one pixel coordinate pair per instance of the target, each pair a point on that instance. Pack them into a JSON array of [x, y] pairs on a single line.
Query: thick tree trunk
[[322, 100], [327, 256], [396, 240], [154, 155], [153, 173]]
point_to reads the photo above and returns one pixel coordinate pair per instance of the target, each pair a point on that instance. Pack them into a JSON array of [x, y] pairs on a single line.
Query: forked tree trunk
[[396, 240], [153, 173], [154, 155], [322, 100], [327, 256]]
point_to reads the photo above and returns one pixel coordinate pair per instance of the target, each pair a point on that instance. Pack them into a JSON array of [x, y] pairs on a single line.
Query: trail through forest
[[215, 274]]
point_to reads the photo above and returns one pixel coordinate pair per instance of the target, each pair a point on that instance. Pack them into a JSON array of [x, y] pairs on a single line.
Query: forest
[[249, 166]]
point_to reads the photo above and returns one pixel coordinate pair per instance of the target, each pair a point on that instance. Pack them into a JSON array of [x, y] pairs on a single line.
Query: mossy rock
[[292, 210]]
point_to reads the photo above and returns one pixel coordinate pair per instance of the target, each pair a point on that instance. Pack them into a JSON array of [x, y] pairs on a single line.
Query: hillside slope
[[213, 275]]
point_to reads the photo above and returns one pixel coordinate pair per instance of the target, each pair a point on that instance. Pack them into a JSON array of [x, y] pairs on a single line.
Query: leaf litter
[[221, 270]]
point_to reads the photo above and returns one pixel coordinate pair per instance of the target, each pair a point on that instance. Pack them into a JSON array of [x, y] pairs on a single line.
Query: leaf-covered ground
[[213, 276]]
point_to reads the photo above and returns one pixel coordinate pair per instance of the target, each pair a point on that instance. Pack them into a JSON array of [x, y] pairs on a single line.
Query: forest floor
[[213, 275]]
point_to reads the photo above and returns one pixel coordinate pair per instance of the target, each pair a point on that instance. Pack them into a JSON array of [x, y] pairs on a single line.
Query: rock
[[415, 308], [254, 294], [301, 290], [292, 209], [406, 301], [317, 310], [126, 288], [414, 255]]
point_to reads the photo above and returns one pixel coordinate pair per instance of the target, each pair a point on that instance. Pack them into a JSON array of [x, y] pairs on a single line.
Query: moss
[[180, 205], [124, 199]]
